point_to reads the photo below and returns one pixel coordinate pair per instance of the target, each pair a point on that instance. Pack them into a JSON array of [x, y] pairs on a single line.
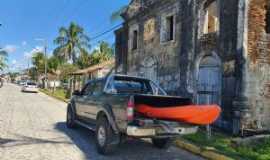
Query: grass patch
[[223, 144], [59, 94]]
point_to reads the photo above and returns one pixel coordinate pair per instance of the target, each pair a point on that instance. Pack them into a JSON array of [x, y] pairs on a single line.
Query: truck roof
[[127, 76]]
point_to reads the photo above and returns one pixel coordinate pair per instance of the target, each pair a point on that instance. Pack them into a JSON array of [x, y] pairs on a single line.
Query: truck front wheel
[[104, 137], [162, 143], [70, 121]]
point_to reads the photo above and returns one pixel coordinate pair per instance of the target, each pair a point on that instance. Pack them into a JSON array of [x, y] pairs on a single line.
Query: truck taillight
[[130, 109]]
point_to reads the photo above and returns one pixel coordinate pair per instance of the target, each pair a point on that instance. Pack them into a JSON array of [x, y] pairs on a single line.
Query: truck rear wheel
[[104, 137], [162, 143]]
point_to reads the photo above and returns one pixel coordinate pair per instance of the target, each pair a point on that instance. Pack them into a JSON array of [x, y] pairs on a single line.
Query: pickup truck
[[108, 107]]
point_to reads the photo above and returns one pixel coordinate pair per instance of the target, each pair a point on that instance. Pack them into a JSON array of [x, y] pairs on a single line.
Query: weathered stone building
[[214, 51]]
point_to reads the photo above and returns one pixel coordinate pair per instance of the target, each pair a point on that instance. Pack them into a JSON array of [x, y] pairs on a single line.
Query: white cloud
[[10, 48], [34, 50], [14, 62], [24, 43], [27, 54]]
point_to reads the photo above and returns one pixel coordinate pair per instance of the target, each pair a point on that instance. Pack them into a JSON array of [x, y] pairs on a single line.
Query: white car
[[30, 87]]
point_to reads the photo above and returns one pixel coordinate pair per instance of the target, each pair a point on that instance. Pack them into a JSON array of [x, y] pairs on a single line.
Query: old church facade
[[213, 51]]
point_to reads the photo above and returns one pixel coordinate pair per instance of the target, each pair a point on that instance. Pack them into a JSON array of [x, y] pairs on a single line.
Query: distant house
[[53, 80], [80, 77]]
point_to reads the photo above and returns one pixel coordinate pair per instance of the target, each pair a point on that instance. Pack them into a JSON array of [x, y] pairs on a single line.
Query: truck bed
[[161, 101]]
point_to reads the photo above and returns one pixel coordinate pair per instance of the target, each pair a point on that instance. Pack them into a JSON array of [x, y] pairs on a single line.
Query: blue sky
[[24, 21]]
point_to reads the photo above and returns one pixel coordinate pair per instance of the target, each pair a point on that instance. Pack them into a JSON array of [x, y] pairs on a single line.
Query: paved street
[[32, 127]]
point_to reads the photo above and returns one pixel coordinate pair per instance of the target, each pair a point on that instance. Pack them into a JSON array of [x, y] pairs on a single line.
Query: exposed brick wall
[[257, 26], [258, 60]]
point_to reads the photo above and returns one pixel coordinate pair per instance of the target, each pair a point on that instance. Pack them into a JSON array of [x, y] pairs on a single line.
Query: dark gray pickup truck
[[107, 106]]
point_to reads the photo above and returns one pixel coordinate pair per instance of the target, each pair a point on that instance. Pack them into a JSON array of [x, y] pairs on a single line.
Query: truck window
[[98, 88], [132, 86], [88, 89], [156, 89]]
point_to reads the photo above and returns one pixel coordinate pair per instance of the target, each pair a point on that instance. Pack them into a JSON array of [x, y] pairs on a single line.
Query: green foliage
[[71, 41], [84, 59], [223, 144], [103, 53], [32, 72], [54, 64], [66, 69], [3, 59], [59, 93], [13, 75], [38, 60]]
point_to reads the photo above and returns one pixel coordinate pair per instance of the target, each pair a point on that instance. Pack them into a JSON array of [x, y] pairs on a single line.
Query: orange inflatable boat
[[191, 114]]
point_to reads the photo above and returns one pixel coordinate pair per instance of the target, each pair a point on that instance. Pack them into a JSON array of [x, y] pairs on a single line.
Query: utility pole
[[46, 62], [46, 65]]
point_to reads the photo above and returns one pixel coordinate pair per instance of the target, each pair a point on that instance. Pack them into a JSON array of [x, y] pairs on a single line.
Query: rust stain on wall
[[257, 30]]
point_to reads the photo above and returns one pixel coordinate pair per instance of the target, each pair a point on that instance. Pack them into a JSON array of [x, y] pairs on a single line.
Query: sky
[[26, 23]]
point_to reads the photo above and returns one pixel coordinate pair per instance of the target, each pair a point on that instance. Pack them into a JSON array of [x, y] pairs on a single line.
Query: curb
[[209, 154], [57, 98]]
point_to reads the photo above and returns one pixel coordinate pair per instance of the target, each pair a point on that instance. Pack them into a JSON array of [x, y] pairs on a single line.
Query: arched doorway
[[149, 69], [209, 81]]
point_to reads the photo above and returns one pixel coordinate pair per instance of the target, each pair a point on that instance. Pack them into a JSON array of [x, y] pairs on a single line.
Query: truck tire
[[162, 143], [70, 121], [104, 137]]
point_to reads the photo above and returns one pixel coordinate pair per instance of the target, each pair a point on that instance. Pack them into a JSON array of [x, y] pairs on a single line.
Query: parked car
[[30, 87], [22, 83], [106, 106]]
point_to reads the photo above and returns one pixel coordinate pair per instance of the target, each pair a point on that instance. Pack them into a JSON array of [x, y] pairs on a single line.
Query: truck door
[[95, 100], [81, 101]]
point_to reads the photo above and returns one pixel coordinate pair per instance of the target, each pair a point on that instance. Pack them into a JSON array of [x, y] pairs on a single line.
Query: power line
[[100, 40], [105, 32]]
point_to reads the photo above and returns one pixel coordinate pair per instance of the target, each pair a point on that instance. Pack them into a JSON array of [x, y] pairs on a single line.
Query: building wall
[[258, 65], [176, 64], [154, 56]]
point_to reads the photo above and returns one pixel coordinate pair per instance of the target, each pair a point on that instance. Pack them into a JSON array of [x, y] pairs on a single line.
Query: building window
[[133, 37], [135, 40], [168, 28], [211, 18], [267, 20]]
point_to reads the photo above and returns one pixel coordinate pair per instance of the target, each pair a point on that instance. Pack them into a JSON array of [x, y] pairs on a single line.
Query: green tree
[[13, 75], [54, 63], [103, 53], [84, 59], [3, 59], [65, 71], [32, 72], [38, 60], [71, 41]]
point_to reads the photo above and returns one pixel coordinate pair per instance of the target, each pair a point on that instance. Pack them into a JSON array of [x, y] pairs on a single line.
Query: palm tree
[[71, 41], [3, 59], [103, 53]]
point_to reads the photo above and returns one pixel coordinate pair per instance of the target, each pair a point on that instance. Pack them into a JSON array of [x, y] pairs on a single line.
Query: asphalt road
[[32, 127]]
